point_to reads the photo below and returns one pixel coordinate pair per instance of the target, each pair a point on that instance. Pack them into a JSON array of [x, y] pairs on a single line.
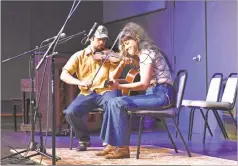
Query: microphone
[[62, 35], [89, 35]]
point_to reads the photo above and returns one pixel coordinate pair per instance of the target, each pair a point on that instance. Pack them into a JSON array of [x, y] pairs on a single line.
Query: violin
[[107, 55], [112, 57]]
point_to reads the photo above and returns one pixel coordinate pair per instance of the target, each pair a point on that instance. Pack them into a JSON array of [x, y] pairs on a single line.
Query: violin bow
[[107, 56]]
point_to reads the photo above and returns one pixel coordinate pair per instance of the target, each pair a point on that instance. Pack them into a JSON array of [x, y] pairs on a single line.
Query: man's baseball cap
[[101, 32]]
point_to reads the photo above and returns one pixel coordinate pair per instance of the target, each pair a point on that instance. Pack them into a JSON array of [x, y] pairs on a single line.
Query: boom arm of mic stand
[[20, 55], [54, 53], [71, 37], [44, 46], [42, 59]]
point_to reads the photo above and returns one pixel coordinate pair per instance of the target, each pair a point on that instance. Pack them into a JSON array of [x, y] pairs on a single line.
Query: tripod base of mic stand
[[14, 154], [43, 152], [40, 151]]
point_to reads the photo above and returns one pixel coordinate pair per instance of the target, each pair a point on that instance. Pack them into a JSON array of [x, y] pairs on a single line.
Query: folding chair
[[100, 110], [226, 105], [212, 95], [172, 112]]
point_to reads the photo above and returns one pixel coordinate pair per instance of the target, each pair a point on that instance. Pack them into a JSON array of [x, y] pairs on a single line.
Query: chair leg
[[189, 125], [206, 124], [130, 128], [177, 122], [233, 118], [139, 137], [204, 130], [191, 128], [71, 138], [181, 136], [219, 121], [170, 137]]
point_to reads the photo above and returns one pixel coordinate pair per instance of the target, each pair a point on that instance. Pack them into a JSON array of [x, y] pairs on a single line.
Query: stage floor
[[150, 155], [156, 149]]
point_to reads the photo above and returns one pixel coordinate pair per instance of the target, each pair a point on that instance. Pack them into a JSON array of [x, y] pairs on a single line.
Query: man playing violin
[[90, 81]]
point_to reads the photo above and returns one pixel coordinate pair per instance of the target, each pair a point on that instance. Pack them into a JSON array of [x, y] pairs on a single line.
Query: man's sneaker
[[83, 146]]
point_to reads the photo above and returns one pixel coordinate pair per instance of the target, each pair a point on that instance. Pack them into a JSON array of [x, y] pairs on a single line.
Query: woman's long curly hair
[[137, 33]]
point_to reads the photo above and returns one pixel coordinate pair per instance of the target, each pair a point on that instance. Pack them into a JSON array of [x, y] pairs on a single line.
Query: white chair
[[212, 95], [227, 104]]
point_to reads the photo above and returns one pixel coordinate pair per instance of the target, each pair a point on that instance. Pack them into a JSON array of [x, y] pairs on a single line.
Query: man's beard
[[99, 48]]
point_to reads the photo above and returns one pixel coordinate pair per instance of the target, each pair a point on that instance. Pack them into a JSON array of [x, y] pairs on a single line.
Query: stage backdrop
[[184, 30], [117, 10]]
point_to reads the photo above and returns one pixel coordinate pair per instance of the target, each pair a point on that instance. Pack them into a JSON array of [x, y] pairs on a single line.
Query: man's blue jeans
[[115, 123], [80, 107]]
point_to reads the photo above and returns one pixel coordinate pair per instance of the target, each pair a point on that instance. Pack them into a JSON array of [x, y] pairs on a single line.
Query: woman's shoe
[[106, 150], [119, 153]]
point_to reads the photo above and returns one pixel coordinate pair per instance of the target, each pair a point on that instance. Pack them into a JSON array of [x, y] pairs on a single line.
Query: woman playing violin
[[155, 79]]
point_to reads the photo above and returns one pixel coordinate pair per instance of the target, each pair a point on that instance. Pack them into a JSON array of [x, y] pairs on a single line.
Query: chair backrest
[[214, 87], [179, 86], [230, 91]]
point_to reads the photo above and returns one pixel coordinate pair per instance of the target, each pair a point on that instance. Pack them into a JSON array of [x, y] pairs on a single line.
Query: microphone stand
[[32, 146], [53, 45]]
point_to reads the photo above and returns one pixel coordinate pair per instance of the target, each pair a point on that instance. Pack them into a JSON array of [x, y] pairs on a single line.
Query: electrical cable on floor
[[10, 149], [16, 159]]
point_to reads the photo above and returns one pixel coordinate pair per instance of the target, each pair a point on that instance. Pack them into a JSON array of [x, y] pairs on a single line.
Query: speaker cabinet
[[64, 93]]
